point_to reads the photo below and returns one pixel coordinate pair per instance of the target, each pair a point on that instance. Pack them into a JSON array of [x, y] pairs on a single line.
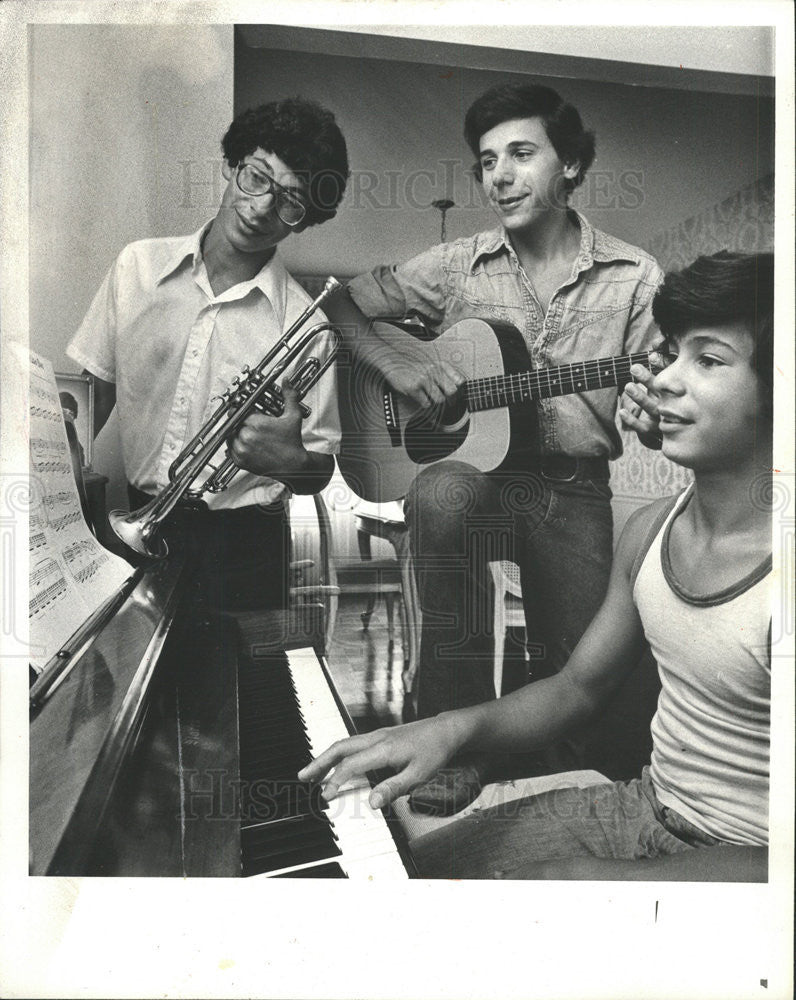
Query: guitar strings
[[488, 392]]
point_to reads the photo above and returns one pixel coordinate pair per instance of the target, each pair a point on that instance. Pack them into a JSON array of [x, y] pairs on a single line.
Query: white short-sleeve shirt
[[171, 346]]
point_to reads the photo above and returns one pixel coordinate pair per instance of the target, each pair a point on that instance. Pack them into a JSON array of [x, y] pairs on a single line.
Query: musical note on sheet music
[[47, 584], [71, 574]]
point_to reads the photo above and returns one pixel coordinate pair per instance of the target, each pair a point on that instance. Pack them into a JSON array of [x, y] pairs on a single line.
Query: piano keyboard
[[288, 715]]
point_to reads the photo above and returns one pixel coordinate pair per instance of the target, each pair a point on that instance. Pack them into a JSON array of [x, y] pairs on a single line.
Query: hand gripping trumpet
[[255, 389]]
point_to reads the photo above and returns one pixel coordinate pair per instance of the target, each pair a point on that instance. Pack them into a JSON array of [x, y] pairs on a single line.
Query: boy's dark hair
[[562, 122], [305, 136], [724, 288]]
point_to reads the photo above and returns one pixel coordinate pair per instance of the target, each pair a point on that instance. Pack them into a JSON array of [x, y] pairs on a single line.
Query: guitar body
[[387, 439]]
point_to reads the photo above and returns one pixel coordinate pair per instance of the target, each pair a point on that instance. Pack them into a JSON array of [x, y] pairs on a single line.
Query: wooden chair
[[376, 578], [509, 612], [386, 521], [313, 578]]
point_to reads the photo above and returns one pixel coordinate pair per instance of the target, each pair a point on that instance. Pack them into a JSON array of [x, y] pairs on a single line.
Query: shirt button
[[194, 352]]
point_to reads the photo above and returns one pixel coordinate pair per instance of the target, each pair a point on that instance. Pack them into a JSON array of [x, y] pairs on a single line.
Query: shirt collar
[[600, 247], [271, 279], [189, 246], [488, 244], [595, 246]]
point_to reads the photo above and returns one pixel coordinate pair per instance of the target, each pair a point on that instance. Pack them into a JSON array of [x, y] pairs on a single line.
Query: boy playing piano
[[691, 576]]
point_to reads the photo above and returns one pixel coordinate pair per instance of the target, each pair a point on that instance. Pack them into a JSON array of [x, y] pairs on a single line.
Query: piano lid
[[81, 733]]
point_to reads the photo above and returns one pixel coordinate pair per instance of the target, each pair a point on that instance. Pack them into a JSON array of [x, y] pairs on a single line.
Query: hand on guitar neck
[[641, 413]]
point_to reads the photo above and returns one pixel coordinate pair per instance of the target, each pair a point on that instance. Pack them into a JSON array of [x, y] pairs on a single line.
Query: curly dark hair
[[726, 287], [562, 122], [306, 137]]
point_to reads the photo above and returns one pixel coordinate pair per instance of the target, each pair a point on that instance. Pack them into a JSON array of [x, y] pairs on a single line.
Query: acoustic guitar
[[388, 439]]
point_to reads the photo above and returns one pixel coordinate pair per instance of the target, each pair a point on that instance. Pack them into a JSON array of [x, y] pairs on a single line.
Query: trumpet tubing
[[255, 389]]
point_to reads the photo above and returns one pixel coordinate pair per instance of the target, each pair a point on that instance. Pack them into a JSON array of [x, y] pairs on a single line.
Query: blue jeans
[[622, 820], [559, 532]]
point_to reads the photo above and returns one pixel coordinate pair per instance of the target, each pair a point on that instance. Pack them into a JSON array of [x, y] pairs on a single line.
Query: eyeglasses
[[256, 182]]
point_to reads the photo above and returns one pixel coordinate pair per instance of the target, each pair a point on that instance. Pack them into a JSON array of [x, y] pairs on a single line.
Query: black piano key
[[268, 800], [281, 735], [283, 820], [266, 839], [331, 870], [272, 846], [293, 857]]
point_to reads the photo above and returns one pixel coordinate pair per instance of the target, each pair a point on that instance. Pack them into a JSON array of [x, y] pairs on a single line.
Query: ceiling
[[734, 60]]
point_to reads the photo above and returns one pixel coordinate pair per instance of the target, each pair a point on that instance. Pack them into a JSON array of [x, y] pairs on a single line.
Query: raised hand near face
[[640, 412]]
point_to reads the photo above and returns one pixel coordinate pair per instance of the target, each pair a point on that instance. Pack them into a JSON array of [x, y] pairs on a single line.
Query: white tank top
[[711, 731]]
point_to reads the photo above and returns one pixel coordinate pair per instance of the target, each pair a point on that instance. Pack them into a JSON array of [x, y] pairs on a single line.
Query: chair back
[[510, 576]]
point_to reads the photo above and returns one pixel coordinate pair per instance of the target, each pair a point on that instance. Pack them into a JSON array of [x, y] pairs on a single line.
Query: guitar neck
[[542, 383]]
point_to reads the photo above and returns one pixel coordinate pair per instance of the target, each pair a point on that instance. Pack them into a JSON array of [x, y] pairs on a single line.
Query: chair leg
[[500, 644], [331, 619], [389, 600], [405, 634], [500, 640], [367, 614], [363, 543]]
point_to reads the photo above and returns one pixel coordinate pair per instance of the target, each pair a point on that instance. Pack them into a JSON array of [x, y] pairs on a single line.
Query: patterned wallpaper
[[744, 221]]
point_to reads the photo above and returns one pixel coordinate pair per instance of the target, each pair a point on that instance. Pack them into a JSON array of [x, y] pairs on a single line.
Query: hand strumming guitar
[[395, 354]]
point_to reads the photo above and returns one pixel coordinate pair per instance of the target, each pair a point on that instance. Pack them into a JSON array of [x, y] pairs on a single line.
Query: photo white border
[[158, 937]]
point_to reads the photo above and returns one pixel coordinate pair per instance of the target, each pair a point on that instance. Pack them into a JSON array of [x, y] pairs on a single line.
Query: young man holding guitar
[[571, 294]]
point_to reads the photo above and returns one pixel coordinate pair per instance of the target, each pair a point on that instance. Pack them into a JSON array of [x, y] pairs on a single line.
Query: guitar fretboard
[[542, 383]]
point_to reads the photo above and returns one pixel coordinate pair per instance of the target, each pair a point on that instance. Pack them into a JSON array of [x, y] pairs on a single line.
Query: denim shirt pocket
[[490, 296], [597, 314]]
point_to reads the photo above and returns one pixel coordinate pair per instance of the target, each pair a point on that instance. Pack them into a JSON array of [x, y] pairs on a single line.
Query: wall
[[662, 155], [120, 118]]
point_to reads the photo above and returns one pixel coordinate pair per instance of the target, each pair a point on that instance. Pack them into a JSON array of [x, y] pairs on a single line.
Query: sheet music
[[71, 574]]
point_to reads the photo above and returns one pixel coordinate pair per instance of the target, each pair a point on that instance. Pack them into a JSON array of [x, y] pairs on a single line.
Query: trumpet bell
[[139, 533]]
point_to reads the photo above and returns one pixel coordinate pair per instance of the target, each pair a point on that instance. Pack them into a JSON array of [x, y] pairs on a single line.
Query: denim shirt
[[603, 309]]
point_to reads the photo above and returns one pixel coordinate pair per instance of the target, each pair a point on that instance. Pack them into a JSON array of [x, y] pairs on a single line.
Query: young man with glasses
[[176, 319]]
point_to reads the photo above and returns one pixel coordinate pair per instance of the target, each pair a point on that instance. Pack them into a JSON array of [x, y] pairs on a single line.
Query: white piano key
[[362, 833]]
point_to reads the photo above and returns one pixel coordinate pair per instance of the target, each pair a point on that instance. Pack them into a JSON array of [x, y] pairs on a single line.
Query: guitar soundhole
[[438, 432]]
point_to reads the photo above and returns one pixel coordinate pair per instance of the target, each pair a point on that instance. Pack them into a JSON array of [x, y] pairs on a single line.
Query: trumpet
[[254, 389]]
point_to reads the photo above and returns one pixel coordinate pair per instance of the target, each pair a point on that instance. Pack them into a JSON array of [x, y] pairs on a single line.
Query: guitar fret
[[541, 383]]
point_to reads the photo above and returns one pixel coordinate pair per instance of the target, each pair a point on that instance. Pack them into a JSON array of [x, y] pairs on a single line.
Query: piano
[[165, 741]]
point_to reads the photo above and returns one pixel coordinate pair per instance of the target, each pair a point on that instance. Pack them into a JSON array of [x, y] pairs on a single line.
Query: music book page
[[71, 573]]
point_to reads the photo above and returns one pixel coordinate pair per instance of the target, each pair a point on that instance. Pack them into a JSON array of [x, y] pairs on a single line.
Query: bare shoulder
[[639, 531]]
